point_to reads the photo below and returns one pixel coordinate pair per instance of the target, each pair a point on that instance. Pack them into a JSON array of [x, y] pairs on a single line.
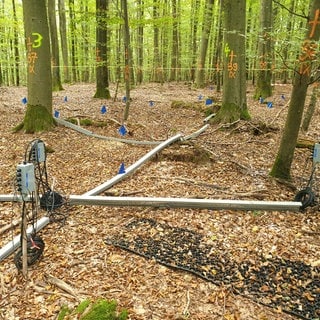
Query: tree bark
[[311, 108], [207, 22], [127, 57], [102, 75], [263, 88], [234, 102], [38, 116], [63, 39], [55, 60], [307, 59]]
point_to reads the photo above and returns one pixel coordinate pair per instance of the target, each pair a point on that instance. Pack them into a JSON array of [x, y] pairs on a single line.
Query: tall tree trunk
[[217, 57], [85, 74], [157, 68], [194, 21], [38, 116], [308, 114], [63, 39], [286, 49], [307, 61], [55, 60], [74, 60], [140, 40], [263, 87], [127, 57], [234, 102], [207, 22], [175, 43], [16, 45], [102, 75]]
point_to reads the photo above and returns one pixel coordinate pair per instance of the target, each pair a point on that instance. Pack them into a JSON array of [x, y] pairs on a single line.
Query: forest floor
[[244, 264]]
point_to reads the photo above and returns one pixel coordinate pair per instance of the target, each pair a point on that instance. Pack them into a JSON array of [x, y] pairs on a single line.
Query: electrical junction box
[[38, 151], [26, 179], [316, 153]]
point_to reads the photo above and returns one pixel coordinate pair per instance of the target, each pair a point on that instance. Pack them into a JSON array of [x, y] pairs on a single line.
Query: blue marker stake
[[261, 100], [122, 130], [270, 105], [208, 102], [283, 97], [103, 109], [200, 97], [24, 100], [151, 103], [65, 99], [124, 99], [122, 169], [56, 114]]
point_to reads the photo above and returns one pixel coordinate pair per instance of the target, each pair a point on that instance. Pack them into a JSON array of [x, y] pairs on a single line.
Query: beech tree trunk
[[63, 39], [207, 22], [102, 76], [55, 60], [234, 101], [127, 58], [307, 62], [38, 116], [264, 76]]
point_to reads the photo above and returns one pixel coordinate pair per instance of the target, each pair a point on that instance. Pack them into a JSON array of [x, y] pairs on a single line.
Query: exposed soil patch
[[224, 162]]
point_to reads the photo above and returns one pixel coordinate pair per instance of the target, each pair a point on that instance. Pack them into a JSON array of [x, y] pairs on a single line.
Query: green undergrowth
[[93, 310]]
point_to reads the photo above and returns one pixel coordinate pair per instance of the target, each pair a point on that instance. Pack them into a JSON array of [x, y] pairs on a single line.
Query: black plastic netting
[[292, 286]]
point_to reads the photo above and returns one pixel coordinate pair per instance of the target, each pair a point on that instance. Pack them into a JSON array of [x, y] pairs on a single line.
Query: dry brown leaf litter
[[76, 253]]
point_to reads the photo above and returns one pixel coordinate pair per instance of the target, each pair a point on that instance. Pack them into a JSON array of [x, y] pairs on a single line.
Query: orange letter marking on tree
[[32, 56], [232, 66], [314, 23], [309, 53]]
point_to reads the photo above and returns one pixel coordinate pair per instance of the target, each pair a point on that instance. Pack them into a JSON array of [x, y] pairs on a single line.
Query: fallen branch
[[63, 286]]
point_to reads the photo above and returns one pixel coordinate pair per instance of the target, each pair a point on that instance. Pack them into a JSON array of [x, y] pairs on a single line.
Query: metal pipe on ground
[[119, 177], [213, 204]]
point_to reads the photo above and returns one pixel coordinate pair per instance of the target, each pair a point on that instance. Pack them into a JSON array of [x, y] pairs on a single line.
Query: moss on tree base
[[37, 119], [230, 113], [102, 93]]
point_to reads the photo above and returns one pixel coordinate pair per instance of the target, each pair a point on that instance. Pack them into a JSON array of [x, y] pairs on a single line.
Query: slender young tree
[[306, 65], [175, 43], [194, 22], [73, 37], [140, 41], [234, 102], [308, 114], [38, 116], [127, 57], [16, 45], [63, 39], [157, 67], [207, 22], [102, 73], [55, 59], [264, 75]]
